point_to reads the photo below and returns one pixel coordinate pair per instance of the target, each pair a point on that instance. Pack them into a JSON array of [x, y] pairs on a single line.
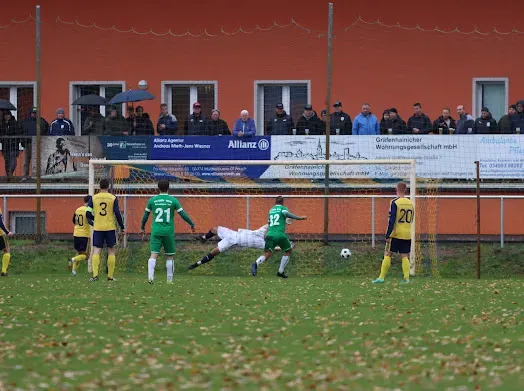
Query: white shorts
[[229, 238]]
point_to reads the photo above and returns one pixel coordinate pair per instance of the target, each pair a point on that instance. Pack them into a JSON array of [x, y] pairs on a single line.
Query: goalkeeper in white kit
[[229, 238]]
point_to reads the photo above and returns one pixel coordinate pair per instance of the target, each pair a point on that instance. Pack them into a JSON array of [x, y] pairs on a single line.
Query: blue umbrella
[[131, 96]]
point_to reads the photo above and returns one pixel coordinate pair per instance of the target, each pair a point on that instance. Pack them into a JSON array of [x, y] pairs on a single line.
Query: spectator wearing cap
[[444, 122], [505, 124], [395, 123], [366, 123], [196, 123], [244, 126], [385, 117], [29, 130], [465, 120], [340, 120], [518, 119], [309, 123], [94, 123], [485, 124], [61, 126], [419, 123], [167, 123], [281, 123], [216, 126]]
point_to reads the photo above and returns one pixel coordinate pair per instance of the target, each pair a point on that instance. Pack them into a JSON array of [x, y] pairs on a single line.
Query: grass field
[[242, 333]]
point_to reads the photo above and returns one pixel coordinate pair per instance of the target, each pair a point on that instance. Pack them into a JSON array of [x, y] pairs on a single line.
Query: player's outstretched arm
[[186, 218], [290, 215]]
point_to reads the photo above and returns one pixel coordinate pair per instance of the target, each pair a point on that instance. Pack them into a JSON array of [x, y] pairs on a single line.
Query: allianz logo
[[262, 144]]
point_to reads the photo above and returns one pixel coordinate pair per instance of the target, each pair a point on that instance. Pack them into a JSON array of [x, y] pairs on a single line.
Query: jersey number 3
[[274, 220], [103, 212], [159, 213]]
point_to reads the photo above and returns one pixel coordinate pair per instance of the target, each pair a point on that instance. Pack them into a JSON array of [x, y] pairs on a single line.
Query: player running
[[276, 236], [163, 207], [229, 238], [103, 209], [81, 235], [398, 235], [4, 246]]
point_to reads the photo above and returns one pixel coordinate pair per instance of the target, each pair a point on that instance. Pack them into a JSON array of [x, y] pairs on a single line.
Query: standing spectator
[[29, 130], [395, 123], [244, 126], [142, 125], [196, 124], [385, 118], [366, 123], [167, 123], [485, 124], [94, 124], [505, 124], [61, 126], [116, 125], [281, 123], [518, 118], [444, 122], [9, 128], [465, 121], [309, 123], [217, 126], [340, 120], [419, 123], [323, 116]]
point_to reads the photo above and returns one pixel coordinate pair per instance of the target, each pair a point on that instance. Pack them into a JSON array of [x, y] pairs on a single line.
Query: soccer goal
[[346, 201]]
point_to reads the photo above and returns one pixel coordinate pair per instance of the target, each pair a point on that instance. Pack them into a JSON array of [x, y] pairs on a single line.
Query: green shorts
[[280, 240], [158, 241]]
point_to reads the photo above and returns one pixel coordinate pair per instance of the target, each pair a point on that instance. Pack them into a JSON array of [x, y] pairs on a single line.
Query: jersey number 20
[[406, 216], [274, 220], [159, 212]]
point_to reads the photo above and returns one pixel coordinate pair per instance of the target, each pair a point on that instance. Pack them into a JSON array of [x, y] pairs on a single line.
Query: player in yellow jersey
[[4, 245], [81, 235], [103, 209], [398, 235]]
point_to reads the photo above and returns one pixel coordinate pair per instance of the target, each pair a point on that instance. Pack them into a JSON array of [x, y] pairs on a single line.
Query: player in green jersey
[[276, 236], [163, 207]]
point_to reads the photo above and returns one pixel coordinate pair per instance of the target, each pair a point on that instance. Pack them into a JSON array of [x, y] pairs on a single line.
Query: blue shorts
[[80, 244], [107, 237], [402, 246]]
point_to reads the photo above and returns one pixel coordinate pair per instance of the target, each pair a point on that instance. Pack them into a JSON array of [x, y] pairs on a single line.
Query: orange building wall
[[384, 66]]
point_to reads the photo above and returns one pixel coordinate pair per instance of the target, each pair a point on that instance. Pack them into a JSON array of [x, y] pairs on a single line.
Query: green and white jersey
[[277, 220], [163, 207]]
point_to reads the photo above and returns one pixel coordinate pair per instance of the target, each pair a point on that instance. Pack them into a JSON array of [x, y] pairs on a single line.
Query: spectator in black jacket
[[485, 124], [385, 117], [323, 116], [281, 123], [395, 123], [340, 120], [419, 123], [10, 149], [142, 125], [465, 121], [217, 126], [116, 125], [518, 119], [445, 122], [29, 130], [309, 123], [505, 124], [196, 123]]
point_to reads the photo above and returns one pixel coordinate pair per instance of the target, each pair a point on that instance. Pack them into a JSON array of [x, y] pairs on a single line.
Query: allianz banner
[[210, 148]]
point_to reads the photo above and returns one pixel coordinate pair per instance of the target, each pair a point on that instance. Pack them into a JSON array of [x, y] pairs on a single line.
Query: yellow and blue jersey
[[103, 209], [3, 230], [401, 217], [82, 224]]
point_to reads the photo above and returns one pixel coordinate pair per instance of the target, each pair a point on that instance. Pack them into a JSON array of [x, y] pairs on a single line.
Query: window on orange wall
[[181, 95], [21, 95]]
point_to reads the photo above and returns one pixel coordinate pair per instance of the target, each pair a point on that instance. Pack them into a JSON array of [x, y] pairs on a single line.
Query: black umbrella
[[91, 100], [6, 105]]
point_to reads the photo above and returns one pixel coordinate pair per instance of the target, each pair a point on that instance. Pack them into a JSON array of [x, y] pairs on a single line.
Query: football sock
[[76, 260], [5, 262], [283, 264], [95, 264], [169, 267], [111, 263], [386, 263], [151, 263], [209, 235], [405, 268], [206, 259], [261, 260]]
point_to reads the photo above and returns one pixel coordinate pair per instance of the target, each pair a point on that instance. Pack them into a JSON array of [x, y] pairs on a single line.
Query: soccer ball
[[345, 253]]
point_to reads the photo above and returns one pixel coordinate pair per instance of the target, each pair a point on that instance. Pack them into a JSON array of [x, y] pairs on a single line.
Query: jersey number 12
[[159, 212]]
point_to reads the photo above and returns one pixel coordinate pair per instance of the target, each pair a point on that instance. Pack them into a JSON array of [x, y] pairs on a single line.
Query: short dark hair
[[417, 104], [163, 105], [446, 108], [87, 198], [280, 200], [104, 183], [163, 185], [401, 186]]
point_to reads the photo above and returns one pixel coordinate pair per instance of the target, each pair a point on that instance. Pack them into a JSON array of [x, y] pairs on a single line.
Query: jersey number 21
[[159, 212]]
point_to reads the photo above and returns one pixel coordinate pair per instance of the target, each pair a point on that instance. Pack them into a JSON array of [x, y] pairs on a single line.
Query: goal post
[[137, 178]]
